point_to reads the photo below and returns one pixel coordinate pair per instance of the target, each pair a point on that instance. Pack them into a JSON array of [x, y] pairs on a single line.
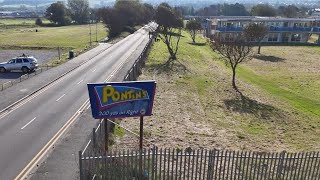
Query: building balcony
[[229, 29], [273, 29]]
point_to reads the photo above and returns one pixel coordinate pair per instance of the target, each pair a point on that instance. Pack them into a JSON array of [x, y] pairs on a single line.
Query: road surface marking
[[27, 169], [80, 81], [94, 70], [60, 97], [29, 123]]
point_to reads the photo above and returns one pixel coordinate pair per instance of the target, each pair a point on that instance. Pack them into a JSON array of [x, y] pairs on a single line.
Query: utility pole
[[96, 30], [90, 28], [90, 34]]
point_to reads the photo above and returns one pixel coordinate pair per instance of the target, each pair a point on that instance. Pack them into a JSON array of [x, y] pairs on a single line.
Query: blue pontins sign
[[125, 99]]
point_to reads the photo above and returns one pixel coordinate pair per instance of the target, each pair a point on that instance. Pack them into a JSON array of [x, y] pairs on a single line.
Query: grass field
[[68, 37], [21, 21], [195, 105]]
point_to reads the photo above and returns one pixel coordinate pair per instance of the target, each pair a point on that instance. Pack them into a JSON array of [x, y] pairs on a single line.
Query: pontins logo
[[112, 95]]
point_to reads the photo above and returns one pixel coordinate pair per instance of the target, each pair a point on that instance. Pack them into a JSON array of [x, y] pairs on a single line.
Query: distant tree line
[[124, 15], [290, 11], [76, 11]]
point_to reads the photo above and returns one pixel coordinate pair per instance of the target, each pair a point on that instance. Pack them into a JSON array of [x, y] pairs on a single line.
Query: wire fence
[[26, 76], [139, 63]]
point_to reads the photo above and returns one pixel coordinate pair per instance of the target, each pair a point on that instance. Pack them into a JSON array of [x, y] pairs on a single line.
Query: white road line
[[80, 81], [60, 97], [29, 123], [94, 70]]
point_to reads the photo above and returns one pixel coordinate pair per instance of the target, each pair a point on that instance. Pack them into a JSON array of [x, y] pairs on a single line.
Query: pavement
[[28, 86], [62, 162]]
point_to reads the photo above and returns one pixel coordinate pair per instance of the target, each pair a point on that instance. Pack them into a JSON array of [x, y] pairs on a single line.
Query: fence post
[[209, 172], [280, 165], [106, 135], [80, 165]]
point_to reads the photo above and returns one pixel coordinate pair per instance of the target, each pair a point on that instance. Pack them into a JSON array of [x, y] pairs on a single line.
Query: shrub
[[39, 22]]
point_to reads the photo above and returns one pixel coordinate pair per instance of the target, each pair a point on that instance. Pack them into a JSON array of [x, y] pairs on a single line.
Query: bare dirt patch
[[196, 107], [42, 56]]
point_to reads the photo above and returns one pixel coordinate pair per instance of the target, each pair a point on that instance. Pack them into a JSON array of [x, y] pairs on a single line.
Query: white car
[[24, 63]]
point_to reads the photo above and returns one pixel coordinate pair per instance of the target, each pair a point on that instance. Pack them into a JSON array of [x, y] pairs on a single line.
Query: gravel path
[[42, 56]]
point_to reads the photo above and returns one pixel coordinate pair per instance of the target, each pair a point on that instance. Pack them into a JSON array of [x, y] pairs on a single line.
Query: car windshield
[[11, 61], [33, 60]]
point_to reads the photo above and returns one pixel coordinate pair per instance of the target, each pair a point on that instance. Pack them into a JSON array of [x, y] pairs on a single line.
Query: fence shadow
[[169, 67], [269, 58], [244, 104], [10, 75], [197, 44]]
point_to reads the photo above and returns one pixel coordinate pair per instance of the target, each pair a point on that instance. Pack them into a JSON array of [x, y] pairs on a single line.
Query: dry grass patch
[[196, 107]]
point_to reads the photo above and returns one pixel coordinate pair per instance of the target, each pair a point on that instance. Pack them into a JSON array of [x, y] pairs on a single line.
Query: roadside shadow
[[268, 58], [173, 34], [169, 67], [197, 44], [10, 75], [243, 104]]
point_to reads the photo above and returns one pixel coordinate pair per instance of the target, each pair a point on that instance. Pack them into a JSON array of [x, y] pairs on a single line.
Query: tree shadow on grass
[[169, 67], [197, 44], [269, 58], [243, 104]]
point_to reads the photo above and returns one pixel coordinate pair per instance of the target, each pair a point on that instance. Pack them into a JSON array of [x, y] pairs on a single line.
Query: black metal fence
[[157, 163], [135, 70]]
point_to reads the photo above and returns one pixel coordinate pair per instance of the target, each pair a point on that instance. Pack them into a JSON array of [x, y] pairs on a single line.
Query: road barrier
[[134, 72], [26, 76]]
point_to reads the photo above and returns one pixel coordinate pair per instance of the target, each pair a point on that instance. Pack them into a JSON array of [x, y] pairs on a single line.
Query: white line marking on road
[[80, 81], [60, 97], [94, 70], [29, 123]]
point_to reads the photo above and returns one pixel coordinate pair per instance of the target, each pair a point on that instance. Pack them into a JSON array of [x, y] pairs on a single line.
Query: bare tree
[[233, 53], [193, 26], [255, 32], [79, 10], [170, 26]]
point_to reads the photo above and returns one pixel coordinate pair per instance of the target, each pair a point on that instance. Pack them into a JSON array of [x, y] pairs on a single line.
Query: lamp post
[[96, 30], [90, 28], [90, 34]]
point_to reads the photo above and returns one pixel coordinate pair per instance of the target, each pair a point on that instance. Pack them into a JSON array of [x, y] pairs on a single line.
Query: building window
[[272, 37], [296, 37], [228, 37], [285, 37]]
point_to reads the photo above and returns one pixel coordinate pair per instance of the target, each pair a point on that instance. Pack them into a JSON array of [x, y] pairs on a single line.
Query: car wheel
[[2, 70], [25, 69]]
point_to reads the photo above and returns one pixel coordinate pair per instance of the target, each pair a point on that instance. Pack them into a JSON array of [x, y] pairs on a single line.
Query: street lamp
[[90, 28], [96, 30]]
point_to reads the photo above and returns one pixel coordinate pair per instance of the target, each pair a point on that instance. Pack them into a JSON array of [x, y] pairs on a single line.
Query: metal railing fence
[[136, 68]]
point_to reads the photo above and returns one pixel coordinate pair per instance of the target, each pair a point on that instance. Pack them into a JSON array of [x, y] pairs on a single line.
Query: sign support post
[[140, 146], [141, 133], [106, 135]]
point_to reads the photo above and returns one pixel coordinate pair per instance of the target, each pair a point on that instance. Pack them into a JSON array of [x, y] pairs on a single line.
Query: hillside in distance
[[25, 2]]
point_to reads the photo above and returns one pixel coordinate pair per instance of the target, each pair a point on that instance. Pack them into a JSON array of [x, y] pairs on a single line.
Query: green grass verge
[[284, 108], [68, 37], [306, 104]]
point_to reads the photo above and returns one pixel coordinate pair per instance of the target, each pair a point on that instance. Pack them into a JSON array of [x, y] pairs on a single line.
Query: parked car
[[24, 63]]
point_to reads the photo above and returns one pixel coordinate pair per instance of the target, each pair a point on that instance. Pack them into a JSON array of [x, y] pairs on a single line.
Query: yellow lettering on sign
[[107, 92], [110, 92]]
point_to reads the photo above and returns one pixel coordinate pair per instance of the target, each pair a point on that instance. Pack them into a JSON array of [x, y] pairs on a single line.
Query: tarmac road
[[29, 126]]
